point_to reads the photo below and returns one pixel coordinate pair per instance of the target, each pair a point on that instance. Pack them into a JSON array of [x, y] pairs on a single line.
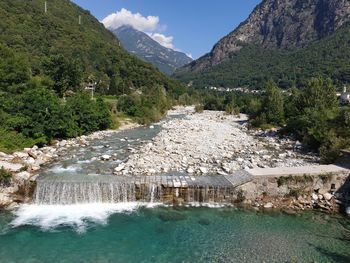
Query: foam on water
[[60, 169], [49, 217]]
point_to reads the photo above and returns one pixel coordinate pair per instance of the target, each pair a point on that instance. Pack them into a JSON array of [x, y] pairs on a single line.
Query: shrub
[[5, 177], [199, 108]]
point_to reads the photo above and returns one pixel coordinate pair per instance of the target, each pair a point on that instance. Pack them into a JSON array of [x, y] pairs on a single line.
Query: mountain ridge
[[283, 26], [139, 43]]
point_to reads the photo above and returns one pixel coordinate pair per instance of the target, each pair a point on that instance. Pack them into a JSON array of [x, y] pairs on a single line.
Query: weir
[[171, 188]]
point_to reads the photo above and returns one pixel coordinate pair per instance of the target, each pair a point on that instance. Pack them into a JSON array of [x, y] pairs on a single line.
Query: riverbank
[[26, 164]]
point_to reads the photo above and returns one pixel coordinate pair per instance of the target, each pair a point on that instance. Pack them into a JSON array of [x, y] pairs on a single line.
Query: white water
[[49, 217], [60, 169]]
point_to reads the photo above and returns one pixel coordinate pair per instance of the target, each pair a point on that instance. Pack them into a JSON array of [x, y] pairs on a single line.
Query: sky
[[190, 26]]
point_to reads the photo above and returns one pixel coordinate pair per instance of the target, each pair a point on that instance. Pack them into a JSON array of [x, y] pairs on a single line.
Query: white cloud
[[125, 17], [163, 40], [149, 25], [189, 55]]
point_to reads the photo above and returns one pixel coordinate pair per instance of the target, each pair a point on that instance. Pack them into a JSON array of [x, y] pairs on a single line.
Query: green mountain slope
[[253, 65], [27, 29]]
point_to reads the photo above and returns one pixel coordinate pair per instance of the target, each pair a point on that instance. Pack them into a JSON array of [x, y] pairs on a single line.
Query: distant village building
[[345, 97]]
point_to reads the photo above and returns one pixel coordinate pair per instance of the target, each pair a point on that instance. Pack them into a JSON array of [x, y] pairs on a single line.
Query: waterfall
[[66, 193], [112, 189]]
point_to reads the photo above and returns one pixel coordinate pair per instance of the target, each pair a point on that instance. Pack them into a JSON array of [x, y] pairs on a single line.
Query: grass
[[287, 180]]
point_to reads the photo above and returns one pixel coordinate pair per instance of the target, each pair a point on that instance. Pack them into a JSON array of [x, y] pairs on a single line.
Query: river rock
[[203, 170], [22, 176], [314, 197], [5, 200], [190, 170], [268, 205], [12, 167], [347, 211], [33, 154], [20, 154], [120, 167], [327, 196], [17, 160], [105, 157]]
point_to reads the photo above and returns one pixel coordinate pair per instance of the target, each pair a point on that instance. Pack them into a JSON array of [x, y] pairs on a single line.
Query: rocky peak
[[283, 24]]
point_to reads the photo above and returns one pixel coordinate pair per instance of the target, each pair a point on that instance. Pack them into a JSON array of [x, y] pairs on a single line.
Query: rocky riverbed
[[211, 143], [26, 164]]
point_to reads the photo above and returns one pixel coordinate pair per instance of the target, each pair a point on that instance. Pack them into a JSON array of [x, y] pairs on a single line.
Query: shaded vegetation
[[5, 177]]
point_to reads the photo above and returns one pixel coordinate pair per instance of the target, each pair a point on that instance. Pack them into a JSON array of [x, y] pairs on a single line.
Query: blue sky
[[192, 26]]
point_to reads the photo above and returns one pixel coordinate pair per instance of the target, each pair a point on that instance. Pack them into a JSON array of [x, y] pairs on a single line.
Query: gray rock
[[268, 205], [327, 196], [12, 167], [22, 176], [105, 157]]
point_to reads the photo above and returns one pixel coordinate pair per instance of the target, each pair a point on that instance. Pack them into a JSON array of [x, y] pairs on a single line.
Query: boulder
[[33, 154], [17, 160], [327, 196], [62, 143], [347, 211], [120, 167], [12, 167], [314, 197], [203, 170], [105, 157], [20, 154], [35, 167], [190, 170], [5, 200], [22, 176], [268, 205]]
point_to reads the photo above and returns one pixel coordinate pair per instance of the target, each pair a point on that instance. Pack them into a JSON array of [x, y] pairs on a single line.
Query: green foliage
[[11, 141], [85, 115], [5, 177], [65, 73], [47, 56], [273, 104], [14, 69], [294, 180]]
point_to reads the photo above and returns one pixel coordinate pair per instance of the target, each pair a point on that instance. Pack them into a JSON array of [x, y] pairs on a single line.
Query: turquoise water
[[167, 234]]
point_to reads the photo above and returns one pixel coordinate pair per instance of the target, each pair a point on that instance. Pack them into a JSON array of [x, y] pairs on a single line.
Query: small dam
[[169, 189]]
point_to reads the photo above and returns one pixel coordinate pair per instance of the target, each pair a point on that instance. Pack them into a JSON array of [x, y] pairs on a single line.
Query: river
[[152, 232]]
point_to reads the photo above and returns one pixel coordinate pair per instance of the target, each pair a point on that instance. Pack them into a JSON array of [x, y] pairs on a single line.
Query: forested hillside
[[27, 29], [46, 60]]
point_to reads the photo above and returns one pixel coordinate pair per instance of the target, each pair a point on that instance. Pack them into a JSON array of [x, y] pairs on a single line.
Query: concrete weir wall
[[325, 187]]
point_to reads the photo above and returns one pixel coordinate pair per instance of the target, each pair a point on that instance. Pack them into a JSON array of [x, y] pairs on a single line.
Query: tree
[[14, 70], [273, 104], [66, 74]]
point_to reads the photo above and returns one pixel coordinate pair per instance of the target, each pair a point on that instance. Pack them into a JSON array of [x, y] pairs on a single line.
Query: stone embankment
[[322, 187], [24, 165], [211, 143]]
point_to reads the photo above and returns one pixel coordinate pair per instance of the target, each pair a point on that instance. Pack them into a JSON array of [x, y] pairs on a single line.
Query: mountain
[[28, 30], [143, 46], [281, 40]]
